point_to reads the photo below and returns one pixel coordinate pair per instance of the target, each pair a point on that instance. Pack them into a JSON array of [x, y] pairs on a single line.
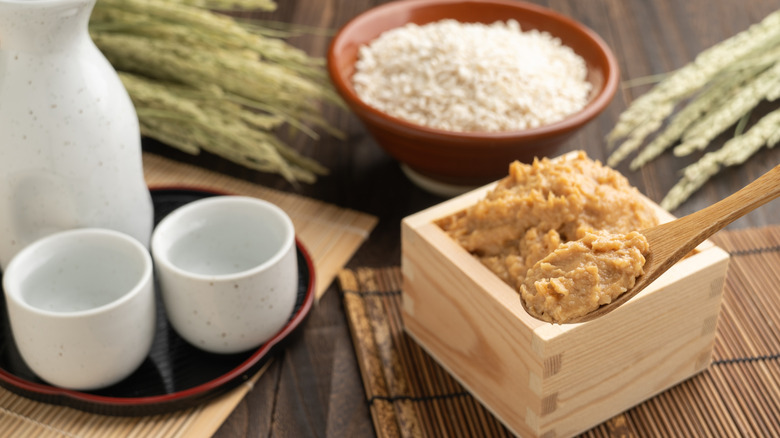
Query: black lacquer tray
[[175, 375]]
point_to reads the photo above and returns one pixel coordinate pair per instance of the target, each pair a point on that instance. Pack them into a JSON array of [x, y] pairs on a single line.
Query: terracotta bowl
[[444, 161]]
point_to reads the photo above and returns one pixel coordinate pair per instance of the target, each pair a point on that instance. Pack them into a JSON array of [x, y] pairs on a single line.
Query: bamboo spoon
[[671, 241]]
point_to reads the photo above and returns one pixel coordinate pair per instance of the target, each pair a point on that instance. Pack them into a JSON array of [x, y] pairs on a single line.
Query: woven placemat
[[409, 394], [330, 234]]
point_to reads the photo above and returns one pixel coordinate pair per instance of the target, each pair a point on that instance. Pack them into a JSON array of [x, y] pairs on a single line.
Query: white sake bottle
[[70, 147]]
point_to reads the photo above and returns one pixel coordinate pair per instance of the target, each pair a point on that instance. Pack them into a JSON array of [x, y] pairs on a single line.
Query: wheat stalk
[[201, 80], [740, 103], [718, 89], [713, 97], [734, 152], [687, 80]]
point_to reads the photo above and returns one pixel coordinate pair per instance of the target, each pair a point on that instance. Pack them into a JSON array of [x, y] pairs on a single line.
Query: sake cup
[[81, 307], [227, 271]]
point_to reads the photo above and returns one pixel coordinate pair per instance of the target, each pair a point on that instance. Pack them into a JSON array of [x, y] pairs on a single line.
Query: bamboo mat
[[330, 234], [737, 396]]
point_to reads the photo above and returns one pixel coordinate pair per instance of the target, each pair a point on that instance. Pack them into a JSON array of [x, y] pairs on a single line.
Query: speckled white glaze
[[70, 153], [81, 307], [227, 271]]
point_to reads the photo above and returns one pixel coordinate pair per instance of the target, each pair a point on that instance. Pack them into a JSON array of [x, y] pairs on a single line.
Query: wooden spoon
[[671, 241]]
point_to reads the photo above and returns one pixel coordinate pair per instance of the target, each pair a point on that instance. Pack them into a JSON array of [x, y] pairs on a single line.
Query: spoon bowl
[[673, 240]]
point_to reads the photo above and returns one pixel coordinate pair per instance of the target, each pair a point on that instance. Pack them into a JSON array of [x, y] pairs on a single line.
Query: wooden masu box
[[548, 380]]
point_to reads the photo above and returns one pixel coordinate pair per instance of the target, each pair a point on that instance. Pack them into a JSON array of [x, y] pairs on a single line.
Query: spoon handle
[[671, 241], [695, 228]]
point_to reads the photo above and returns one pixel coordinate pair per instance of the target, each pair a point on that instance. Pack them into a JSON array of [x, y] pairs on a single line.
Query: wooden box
[[546, 380]]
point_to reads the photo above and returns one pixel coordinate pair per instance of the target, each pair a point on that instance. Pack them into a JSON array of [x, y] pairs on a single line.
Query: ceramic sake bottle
[[70, 153]]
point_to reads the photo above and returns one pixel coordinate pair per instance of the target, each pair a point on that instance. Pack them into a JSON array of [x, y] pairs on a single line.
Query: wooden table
[[314, 388]]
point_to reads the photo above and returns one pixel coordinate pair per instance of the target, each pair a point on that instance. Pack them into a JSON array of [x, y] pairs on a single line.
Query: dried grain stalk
[[714, 122], [713, 97], [766, 132], [719, 88], [201, 80]]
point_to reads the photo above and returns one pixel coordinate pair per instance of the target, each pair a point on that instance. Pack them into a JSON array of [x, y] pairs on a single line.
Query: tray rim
[[23, 387]]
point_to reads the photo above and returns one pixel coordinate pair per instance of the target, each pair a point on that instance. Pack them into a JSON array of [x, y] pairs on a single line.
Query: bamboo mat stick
[[373, 379]]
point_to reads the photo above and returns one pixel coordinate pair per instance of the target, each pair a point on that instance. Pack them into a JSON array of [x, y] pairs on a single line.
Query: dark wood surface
[[314, 389]]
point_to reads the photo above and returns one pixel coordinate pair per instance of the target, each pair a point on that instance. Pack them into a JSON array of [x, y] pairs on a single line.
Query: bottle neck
[[43, 26]]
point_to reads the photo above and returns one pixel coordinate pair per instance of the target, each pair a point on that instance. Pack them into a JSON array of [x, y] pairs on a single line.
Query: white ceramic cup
[[81, 306], [228, 271]]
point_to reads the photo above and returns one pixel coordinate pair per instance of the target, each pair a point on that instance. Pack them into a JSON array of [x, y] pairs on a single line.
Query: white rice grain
[[471, 77]]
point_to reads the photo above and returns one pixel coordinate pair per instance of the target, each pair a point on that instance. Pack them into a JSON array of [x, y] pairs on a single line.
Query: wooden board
[[737, 394], [330, 234]]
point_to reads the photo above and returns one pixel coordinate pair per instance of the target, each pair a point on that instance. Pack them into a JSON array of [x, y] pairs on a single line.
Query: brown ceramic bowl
[[460, 159]]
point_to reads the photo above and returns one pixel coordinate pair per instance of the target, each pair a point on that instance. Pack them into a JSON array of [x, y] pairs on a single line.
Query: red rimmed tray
[[175, 375]]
